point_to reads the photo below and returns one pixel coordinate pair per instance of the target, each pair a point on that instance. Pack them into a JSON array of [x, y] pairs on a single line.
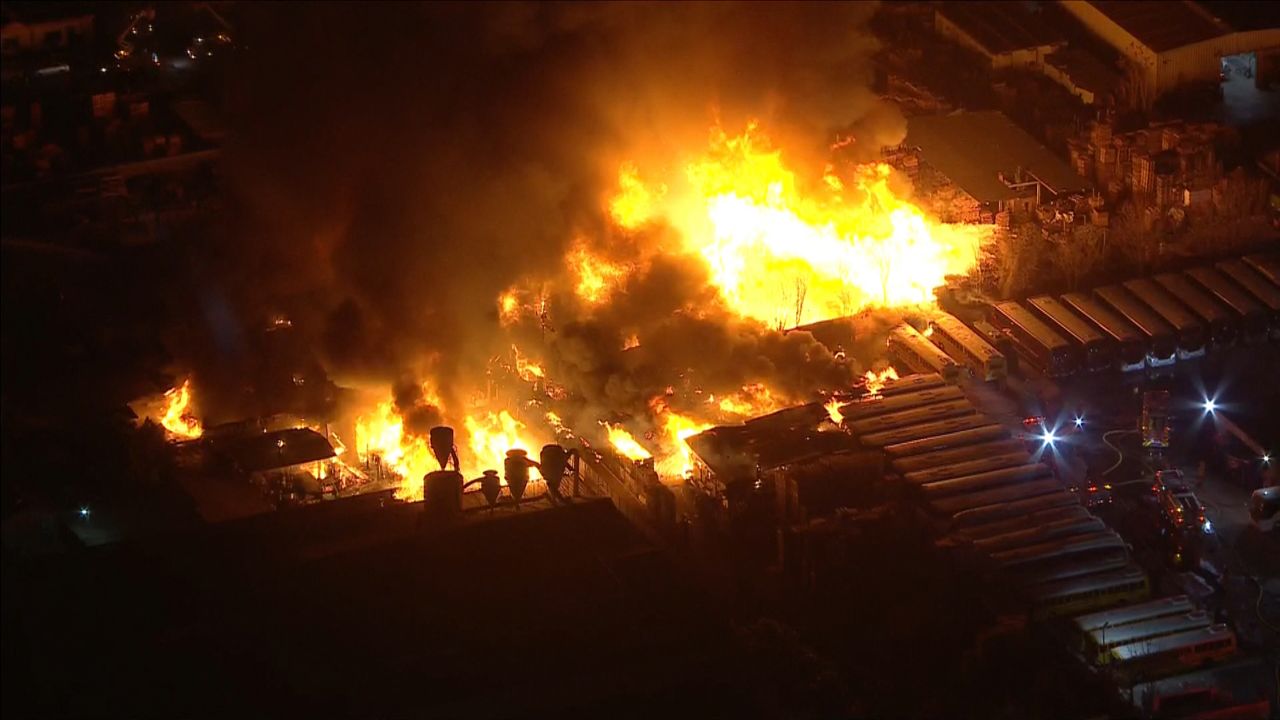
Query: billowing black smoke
[[394, 167]]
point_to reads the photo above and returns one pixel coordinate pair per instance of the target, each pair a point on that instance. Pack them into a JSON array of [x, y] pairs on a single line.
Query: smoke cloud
[[395, 167]]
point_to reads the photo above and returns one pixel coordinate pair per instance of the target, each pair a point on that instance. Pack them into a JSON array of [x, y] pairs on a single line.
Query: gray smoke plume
[[394, 167]]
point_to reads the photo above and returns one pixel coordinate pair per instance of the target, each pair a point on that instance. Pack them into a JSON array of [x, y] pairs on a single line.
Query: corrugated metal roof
[[279, 449], [974, 148], [1000, 27], [1162, 25]]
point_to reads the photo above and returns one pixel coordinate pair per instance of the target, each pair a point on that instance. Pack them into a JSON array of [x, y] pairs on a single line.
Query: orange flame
[[625, 444], [833, 411], [876, 380], [786, 257], [179, 417]]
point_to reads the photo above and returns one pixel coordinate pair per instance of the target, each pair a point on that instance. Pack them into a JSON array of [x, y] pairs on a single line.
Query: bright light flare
[[1210, 406]]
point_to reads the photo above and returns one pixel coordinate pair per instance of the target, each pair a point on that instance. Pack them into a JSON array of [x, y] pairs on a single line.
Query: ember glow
[[597, 277], [179, 415], [788, 256]]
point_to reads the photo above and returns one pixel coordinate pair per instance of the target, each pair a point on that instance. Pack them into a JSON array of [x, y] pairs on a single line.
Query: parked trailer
[[1131, 344], [1162, 344], [924, 461], [1096, 350], [1137, 612], [1004, 494], [968, 468], [1223, 326], [980, 434], [1253, 317], [997, 511], [1190, 331], [930, 429], [985, 480]]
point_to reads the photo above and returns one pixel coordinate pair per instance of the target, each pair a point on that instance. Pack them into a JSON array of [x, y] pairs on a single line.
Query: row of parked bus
[[1153, 639], [982, 484], [1146, 322]]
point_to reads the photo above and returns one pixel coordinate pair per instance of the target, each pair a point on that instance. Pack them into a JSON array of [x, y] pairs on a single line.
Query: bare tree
[[1077, 253], [802, 290]]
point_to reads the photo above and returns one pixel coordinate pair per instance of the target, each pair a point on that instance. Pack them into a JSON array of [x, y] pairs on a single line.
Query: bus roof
[[1087, 583], [1133, 613], [1267, 266], [922, 461], [929, 429], [1071, 566], [1002, 510], [995, 496], [1258, 286], [968, 468], [1066, 527], [878, 405], [1023, 522], [1134, 311], [913, 416], [1072, 324], [1156, 646], [985, 480], [947, 440], [1102, 316], [1034, 326], [1107, 636], [1057, 547], [914, 339], [1225, 290], [1159, 299], [1198, 300], [962, 334]]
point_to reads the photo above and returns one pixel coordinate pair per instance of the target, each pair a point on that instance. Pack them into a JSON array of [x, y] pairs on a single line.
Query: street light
[[1049, 437], [1079, 421], [1210, 406]]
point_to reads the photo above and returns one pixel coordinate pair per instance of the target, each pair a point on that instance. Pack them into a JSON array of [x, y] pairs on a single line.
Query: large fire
[[787, 255], [779, 248]]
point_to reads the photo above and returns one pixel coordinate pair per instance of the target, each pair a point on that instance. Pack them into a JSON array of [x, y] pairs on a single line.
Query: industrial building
[[984, 163], [1004, 33], [1176, 43]]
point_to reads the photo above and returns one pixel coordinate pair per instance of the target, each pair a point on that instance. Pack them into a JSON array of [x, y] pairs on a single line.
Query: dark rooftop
[[1163, 25], [973, 148], [282, 448], [1085, 70], [1000, 27]]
